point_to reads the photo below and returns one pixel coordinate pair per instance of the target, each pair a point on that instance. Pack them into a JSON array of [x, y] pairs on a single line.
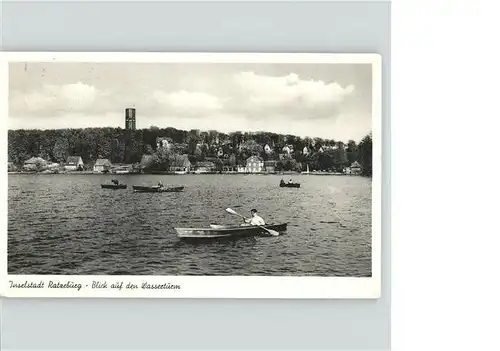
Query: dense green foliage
[[365, 155], [123, 146]]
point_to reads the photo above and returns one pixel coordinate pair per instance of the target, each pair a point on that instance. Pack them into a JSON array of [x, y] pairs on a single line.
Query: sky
[[317, 100]]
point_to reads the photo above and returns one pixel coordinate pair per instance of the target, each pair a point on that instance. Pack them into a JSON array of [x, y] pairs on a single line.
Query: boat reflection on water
[[156, 189]]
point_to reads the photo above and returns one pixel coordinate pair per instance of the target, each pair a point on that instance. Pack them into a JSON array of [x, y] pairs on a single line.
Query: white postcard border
[[198, 286]]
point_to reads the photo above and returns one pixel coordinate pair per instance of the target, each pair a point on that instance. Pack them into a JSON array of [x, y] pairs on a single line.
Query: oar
[[270, 231]]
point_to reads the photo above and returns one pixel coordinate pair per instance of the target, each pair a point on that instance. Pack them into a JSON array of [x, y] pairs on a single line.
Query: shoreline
[[185, 174]]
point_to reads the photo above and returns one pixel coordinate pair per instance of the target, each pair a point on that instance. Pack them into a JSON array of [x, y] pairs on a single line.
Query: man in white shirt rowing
[[255, 219]]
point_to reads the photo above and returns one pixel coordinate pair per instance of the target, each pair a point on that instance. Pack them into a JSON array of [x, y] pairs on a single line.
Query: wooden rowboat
[[114, 186], [222, 231], [290, 185], [156, 189]]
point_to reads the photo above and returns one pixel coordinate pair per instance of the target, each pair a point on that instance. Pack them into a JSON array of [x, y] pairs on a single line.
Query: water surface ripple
[[67, 224]]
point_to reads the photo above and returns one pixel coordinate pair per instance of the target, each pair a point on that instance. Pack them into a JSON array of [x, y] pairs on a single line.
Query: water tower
[[130, 118]]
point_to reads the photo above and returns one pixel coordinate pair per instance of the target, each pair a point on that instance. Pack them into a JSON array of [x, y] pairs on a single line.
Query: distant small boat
[[156, 189], [290, 185], [114, 186], [121, 170], [223, 231], [180, 172]]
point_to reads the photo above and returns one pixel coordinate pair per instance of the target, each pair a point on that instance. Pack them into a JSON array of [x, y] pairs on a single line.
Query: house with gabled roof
[[356, 168], [255, 164], [74, 163], [35, 164], [102, 165], [180, 163]]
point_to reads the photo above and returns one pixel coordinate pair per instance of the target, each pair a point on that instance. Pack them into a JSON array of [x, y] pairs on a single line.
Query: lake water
[[67, 224]]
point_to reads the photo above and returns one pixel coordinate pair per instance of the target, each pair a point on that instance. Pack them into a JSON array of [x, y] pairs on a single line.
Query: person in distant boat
[[115, 182], [290, 181], [160, 184], [282, 182], [255, 219]]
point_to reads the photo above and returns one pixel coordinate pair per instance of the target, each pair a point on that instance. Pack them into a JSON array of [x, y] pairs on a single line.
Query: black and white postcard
[[174, 175]]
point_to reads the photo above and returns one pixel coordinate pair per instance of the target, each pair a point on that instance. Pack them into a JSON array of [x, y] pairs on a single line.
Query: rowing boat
[[156, 189], [114, 186], [222, 231], [290, 185]]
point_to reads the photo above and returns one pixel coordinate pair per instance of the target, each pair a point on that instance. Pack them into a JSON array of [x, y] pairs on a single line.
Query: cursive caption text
[[95, 285]]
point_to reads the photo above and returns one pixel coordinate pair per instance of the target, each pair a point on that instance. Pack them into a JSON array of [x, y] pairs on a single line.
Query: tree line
[[127, 147]]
